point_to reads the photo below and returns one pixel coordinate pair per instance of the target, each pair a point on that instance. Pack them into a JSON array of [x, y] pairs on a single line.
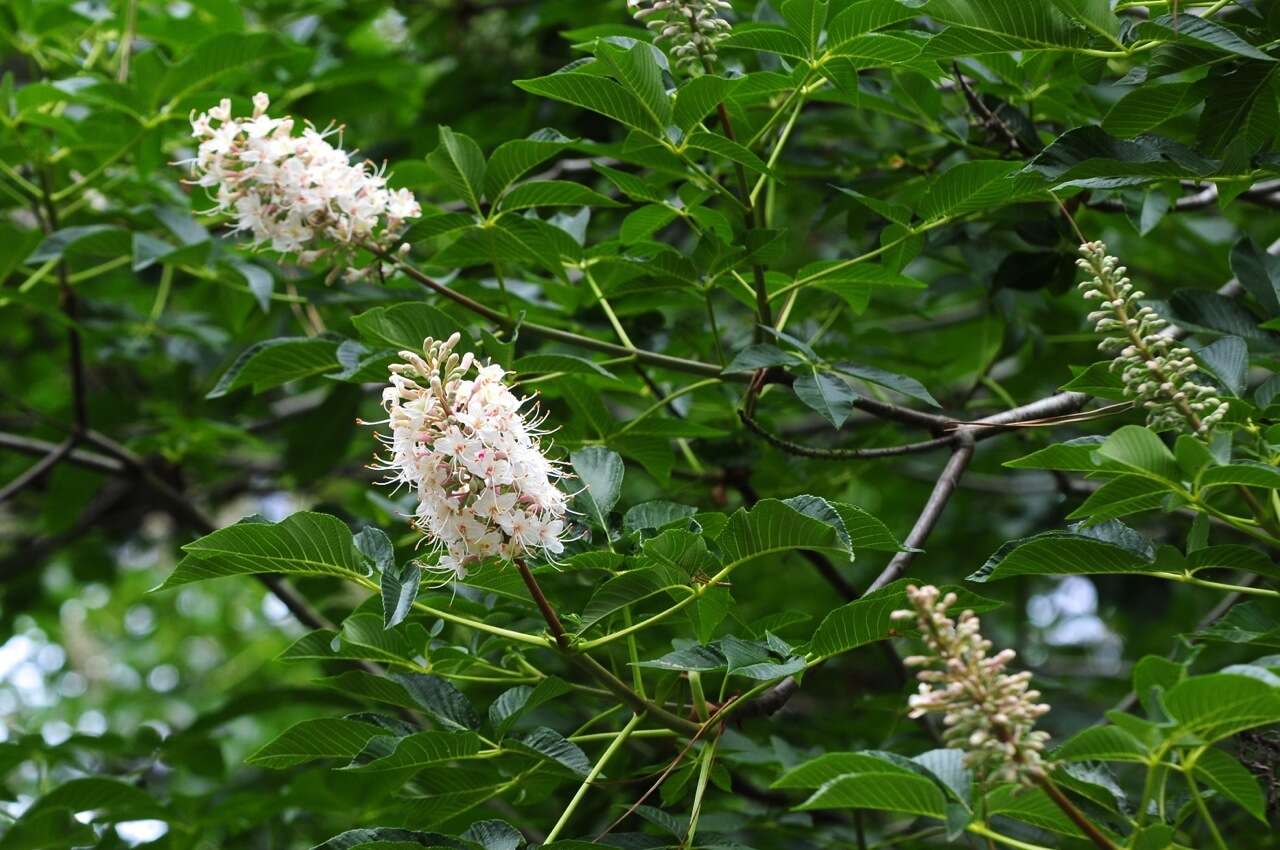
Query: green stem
[[704, 773], [1218, 585], [478, 625], [861, 258], [618, 740], [162, 295], [699, 697], [675, 364], [663, 402], [1204, 812], [607, 308], [101, 268], [985, 832], [1155, 769]]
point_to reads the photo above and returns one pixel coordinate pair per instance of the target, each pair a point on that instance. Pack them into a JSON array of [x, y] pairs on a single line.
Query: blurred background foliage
[[170, 691]]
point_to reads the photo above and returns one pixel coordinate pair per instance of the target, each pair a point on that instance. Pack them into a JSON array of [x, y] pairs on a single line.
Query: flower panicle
[[471, 450], [691, 28], [988, 712], [299, 194], [1155, 370]]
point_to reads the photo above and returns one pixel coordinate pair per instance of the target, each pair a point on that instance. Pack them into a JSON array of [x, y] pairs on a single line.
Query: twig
[[37, 469], [839, 454], [616, 686], [1077, 817], [990, 119], [80, 457], [70, 306], [540, 599]]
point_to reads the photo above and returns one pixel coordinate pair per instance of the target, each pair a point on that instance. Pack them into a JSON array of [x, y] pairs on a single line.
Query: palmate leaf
[[217, 55], [888, 788], [638, 69], [598, 94], [629, 588], [806, 18], [404, 325], [550, 744], [1031, 806], [771, 527], [979, 185], [303, 544], [511, 160], [277, 361], [767, 38], [1103, 743], [876, 50], [721, 146], [829, 395], [1231, 779], [421, 749], [392, 838], [1200, 32], [864, 16], [1121, 496], [1219, 705], [868, 619], [460, 163], [323, 738], [698, 97], [554, 193], [512, 704], [110, 800], [600, 472], [1015, 24], [1088, 157], [1147, 107]]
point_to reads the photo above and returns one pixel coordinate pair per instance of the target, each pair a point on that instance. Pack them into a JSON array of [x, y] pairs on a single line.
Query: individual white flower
[[691, 27], [471, 450], [297, 193], [390, 27], [1154, 369], [988, 713]]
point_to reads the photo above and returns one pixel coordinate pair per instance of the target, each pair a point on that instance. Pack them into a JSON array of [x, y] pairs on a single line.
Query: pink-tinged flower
[[458, 438], [298, 194]]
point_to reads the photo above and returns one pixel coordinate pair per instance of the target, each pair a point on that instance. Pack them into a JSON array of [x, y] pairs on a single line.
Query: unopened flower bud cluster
[[692, 28], [297, 193], [471, 450], [988, 713], [1155, 370]]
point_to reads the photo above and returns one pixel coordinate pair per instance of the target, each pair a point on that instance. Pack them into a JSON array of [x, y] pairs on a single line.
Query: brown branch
[[1077, 817], [616, 686], [540, 599], [70, 306], [37, 469], [932, 511], [990, 120], [839, 454], [80, 457]]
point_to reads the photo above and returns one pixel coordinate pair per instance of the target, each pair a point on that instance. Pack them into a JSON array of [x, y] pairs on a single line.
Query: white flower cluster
[[299, 194], [990, 714], [472, 451], [691, 27], [1154, 369]]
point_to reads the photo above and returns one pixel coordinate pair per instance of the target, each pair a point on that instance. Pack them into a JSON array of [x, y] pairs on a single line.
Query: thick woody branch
[[933, 508]]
